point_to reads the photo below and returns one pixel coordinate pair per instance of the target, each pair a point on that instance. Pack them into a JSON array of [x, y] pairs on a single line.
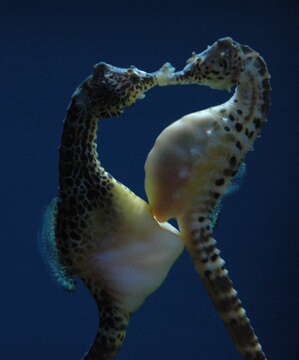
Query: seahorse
[[194, 160], [97, 229]]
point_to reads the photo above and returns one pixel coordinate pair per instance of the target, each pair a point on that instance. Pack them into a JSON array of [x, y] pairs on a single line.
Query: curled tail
[[210, 266], [112, 326]]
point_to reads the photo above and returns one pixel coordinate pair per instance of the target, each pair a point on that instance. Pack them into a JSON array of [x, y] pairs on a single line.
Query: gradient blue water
[[46, 51]]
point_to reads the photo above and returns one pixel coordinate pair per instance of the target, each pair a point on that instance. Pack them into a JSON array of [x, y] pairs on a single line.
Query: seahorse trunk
[[210, 266]]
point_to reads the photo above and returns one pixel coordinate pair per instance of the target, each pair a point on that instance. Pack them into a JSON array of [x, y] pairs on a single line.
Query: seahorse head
[[110, 89], [218, 67]]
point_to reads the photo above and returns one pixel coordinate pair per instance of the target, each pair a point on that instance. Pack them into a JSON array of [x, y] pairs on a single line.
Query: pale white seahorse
[[194, 160]]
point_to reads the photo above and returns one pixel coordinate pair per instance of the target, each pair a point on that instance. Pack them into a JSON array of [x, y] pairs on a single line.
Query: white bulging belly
[[170, 164], [137, 266]]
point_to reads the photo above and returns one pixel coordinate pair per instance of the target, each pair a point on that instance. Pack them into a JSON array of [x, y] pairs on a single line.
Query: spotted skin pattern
[[205, 149], [84, 186], [108, 237], [95, 229]]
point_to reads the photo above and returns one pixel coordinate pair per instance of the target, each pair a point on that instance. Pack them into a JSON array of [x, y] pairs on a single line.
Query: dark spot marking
[[239, 127], [201, 218], [92, 195], [233, 322], [214, 257], [239, 145], [207, 273], [239, 111], [210, 249], [233, 161], [257, 123], [226, 128], [266, 84], [219, 182], [225, 305], [243, 333], [222, 283], [231, 117], [216, 195]]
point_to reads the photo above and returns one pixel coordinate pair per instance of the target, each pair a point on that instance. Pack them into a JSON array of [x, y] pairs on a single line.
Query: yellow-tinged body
[[194, 160], [134, 260], [184, 160]]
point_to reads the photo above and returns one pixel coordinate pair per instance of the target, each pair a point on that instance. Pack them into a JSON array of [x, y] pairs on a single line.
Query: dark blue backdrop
[[47, 49]]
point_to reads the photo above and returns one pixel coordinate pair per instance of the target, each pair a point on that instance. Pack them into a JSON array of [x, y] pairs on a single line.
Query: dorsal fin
[[232, 189], [237, 180], [48, 248]]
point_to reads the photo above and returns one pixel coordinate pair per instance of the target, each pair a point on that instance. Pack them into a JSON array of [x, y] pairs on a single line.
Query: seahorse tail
[[210, 266], [112, 328]]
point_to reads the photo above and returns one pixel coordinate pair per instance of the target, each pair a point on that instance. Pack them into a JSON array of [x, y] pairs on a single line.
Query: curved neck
[[250, 103], [78, 161]]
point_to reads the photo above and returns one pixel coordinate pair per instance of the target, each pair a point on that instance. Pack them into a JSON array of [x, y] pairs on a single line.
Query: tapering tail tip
[[110, 335], [113, 323], [211, 268]]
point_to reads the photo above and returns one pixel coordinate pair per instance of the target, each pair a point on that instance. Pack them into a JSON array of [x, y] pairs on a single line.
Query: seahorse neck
[[251, 100], [78, 160]]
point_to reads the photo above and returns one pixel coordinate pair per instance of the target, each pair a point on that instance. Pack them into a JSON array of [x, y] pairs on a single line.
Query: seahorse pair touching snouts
[[120, 246], [194, 160]]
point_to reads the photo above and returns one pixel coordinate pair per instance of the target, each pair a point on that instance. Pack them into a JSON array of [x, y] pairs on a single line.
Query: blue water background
[[48, 48]]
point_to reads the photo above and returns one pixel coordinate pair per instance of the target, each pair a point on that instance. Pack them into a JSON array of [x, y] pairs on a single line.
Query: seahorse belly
[[185, 160], [133, 261]]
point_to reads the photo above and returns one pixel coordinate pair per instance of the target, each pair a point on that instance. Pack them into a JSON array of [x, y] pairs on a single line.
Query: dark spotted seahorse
[[96, 228], [194, 160]]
